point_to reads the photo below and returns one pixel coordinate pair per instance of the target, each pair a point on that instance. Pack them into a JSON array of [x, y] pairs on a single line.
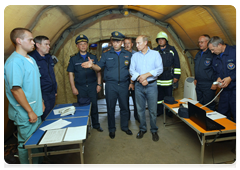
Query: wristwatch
[[99, 85]]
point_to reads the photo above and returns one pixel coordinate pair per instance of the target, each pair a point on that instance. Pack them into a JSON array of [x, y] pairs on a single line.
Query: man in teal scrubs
[[22, 83]]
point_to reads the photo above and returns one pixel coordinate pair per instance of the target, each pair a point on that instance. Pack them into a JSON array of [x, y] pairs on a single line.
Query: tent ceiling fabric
[[187, 21]]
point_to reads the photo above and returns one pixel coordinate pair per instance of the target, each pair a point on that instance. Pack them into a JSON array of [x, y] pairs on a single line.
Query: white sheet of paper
[[53, 136], [57, 111], [75, 133], [215, 115], [56, 125], [175, 109], [189, 100]]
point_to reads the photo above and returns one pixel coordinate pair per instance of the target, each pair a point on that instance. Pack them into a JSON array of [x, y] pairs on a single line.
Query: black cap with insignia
[[117, 36], [81, 38]]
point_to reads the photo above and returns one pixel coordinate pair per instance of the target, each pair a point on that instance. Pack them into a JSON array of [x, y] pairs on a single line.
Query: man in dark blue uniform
[[171, 70], [116, 75], [45, 65], [204, 73], [128, 44], [224, 65], [86, 83]]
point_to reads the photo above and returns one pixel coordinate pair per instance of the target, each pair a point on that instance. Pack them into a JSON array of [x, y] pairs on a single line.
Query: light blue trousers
[[25, 130]]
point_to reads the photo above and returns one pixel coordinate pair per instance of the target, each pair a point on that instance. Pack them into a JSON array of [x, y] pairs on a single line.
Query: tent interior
[[63, 23]]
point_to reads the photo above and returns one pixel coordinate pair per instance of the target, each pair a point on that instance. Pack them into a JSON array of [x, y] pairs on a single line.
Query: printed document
[[53, 136], [56, 125]]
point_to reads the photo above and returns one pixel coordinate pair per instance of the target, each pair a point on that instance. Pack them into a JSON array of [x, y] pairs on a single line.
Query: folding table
[[80, 118], [230, 127]]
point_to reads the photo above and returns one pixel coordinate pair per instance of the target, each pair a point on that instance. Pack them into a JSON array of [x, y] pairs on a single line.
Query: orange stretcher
[[230, 127]]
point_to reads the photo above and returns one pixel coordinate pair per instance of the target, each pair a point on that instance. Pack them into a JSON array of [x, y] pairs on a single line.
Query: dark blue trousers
[[205, 95], [49, 102], [114, 92], [91, 92], [132, 92], [162, 92], [227, 104]]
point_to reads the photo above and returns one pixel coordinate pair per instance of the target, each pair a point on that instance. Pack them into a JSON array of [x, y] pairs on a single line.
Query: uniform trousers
[[114, 92], [227, 103], [205, 94], [90, 91], [162, 92], [49, 102], [132, 92]]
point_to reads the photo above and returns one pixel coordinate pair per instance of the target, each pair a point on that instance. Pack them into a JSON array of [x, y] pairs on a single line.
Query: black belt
[[150, 82]]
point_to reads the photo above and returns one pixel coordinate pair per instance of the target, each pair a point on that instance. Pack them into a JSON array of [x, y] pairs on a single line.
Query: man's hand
[[214, 87], [87, 64], [98, 88], [175, 80], [75, 91], [131, 86], [142, 77], [195, 82], [43, 105], [32, 117], [145, 82], [226, 81]]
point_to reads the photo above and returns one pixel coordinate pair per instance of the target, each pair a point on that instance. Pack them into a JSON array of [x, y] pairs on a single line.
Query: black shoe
[[140, 134], [155, 136], [112, 135], [128, 132], [99, 129]]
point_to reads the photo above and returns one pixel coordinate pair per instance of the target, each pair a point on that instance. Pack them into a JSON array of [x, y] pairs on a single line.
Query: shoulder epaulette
[[106, 50]]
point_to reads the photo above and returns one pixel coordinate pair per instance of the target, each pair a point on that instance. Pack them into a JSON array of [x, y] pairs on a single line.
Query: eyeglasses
[[201, 42]]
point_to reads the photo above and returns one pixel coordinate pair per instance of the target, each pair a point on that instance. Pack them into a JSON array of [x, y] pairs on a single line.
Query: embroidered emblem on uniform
[[81, 36], [126, 62], [116, 33], [207, 63], [231, 66]]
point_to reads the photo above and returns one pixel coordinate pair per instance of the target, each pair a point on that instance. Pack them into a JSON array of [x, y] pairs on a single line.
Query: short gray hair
[[215, 40]]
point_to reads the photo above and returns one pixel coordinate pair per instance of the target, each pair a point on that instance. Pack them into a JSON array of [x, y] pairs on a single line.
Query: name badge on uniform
[[110, 58], [77, 64], [231, 66], [207, 62], [126, 56]]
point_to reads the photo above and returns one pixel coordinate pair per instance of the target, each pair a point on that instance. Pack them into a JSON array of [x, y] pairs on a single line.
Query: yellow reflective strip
[[177, 71], [160, 102]]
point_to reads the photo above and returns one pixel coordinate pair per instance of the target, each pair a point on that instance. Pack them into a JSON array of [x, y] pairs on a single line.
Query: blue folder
[[37, 135]]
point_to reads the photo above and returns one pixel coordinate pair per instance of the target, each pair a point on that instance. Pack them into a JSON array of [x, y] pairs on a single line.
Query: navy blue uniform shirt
[[116, 66], [204, 72], [83, 76], [45, 65], [225, 65]]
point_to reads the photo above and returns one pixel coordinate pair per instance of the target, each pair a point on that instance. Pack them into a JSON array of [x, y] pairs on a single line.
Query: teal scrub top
[[18, 71]]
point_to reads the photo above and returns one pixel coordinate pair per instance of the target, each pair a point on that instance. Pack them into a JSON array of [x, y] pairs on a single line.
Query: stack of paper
[[67, 134]]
